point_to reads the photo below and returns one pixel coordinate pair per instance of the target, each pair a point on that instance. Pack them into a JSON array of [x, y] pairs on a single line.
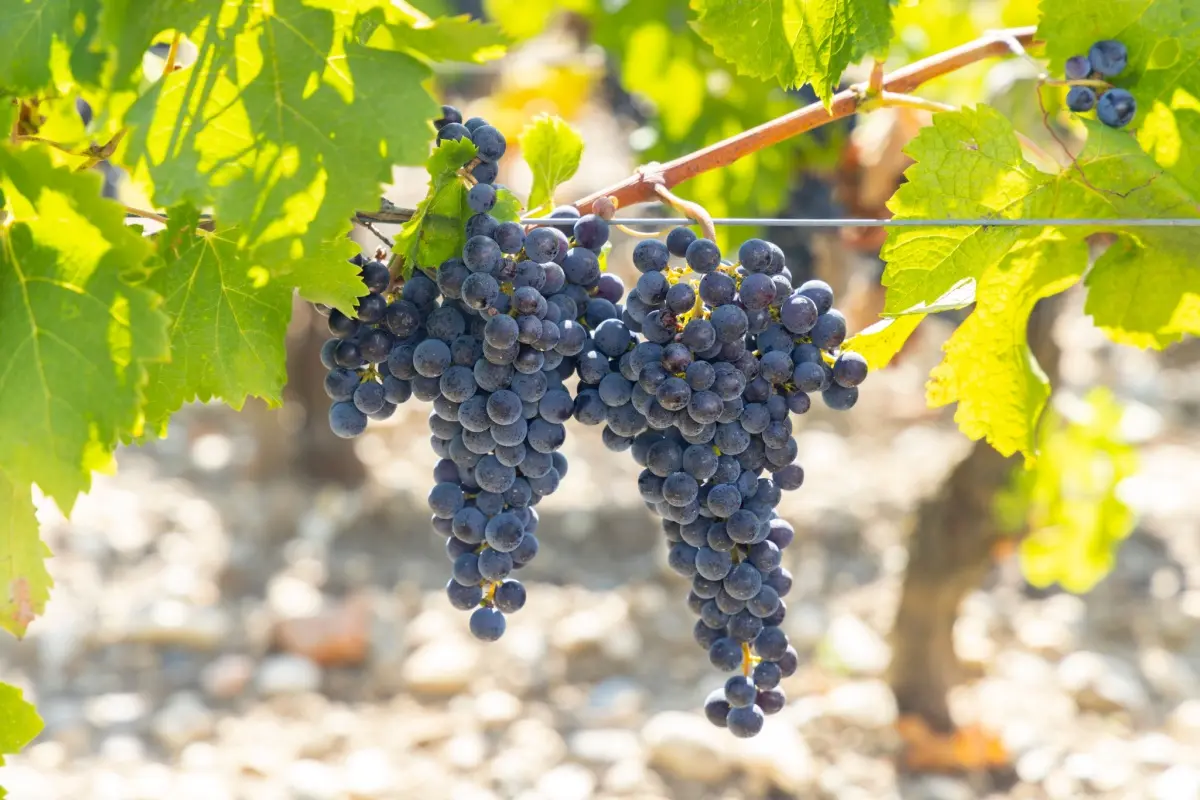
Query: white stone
[[1102, 683], [605, 746], [778, 754], [856, 646], [369, 773], [443, 666], [687, 747], [567, 782], [308, 779], [183, 720], [863, 704], [496, 707], [227, 676], [115, 709], [175, 623], [1184, 722], [290, 597], [288, 674], [1178, 783]]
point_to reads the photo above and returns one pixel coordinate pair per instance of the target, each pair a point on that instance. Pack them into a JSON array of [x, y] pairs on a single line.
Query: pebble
[[863, 704], [603, 625], [287, 674], [228, 676], [496, 707], [778, 754], [308, 779], [444, 666], [1184, 722], [174, 623], [369, 773], [605, 746], [183, 720], [118, 708], [614, 701], [1102, 684], [567, 782], [338, 636], [686, 746], [856, 647], [1178, 783]]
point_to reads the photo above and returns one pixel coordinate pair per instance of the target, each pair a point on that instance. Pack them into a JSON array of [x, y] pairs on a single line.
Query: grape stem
[[171, 54], [641, 186], [691, 210], [138, 212], [875, 83], [1095, 84]]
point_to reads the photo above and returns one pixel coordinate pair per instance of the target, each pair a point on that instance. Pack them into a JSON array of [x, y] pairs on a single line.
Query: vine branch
[[640, 187], [647, 182]]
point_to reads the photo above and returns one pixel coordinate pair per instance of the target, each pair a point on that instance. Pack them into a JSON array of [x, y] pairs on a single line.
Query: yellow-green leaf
[[795, 41], [24, 582], [19, 722], [988, 368], [552, 148], [968, 165], [881, 342], [1068, 504]]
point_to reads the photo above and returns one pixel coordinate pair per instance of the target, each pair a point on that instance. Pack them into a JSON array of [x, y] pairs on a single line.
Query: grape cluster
[[360, 381], [495, 349], [704, 404], [697, 372], [1105, 59]]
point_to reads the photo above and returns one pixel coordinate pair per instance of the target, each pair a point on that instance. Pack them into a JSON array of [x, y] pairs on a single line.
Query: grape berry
[[696, 372], [1105, 59]]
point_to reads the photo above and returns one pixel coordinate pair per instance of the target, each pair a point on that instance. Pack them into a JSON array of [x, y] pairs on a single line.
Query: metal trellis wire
[[775, 222]]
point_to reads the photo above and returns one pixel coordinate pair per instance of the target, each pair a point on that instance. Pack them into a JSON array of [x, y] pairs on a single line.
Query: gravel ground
[[216, 636]]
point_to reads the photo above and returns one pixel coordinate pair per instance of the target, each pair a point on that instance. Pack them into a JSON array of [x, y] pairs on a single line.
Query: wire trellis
[[985, 222]]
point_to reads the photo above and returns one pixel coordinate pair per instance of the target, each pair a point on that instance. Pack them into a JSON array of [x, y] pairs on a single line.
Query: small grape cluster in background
[[1105, 59]]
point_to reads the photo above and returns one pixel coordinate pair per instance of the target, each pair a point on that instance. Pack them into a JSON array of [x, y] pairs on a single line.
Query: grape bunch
[[1105, 59], [697, 372], [360, 382], [494, 348], [705, 404]]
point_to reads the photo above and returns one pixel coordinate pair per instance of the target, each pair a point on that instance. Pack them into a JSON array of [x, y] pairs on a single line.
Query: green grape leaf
[[29, 30], [75, 329], [458, 38], [1070, 502], [883, 341], [435, 233], [795, 41], [229, 317], [1143, 290], [968, 165], [552, 149], [285, 126], [24, 582], [19, 722], [508, 206], [324, 275], [988, 368]]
